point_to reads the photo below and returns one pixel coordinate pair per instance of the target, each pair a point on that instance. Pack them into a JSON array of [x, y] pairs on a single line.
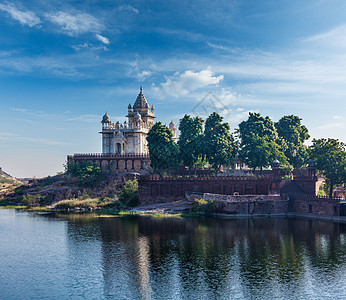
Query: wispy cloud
[[224, 48], [35, 113], [14, 138], [139, 69], [85, 118], [66, 116], [24, 17], [88, 46], [337, 117], [40, 141], [74, 24], [128, 8], [334, 38], [103, 39], [182, 84]]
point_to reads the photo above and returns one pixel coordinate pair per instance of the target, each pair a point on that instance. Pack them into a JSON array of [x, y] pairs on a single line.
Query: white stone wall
[[135, 142], [106, 143]]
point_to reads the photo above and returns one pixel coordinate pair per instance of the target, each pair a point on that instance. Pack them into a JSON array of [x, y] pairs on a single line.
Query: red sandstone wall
[[154, 187], [315, 205]]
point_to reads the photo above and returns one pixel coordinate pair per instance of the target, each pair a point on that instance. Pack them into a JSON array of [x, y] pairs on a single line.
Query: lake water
[[45, 256]]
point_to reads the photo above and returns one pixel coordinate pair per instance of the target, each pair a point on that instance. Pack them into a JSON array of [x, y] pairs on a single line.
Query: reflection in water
[[145, 258]]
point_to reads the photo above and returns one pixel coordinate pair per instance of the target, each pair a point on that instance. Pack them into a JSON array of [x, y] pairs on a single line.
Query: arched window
[[118, 148]]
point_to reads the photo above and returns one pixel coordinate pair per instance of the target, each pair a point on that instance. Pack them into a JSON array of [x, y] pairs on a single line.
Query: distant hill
[[7, 182]]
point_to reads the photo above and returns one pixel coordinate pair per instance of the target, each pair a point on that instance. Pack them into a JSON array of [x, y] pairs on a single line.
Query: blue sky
[[64, 63]]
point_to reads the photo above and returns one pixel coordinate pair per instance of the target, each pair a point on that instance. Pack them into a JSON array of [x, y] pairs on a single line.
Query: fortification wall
[[244, 204], [156, 189], [311, 204]]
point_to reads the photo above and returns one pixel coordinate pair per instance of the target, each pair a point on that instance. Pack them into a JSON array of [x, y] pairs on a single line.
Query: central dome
[[137, 117]]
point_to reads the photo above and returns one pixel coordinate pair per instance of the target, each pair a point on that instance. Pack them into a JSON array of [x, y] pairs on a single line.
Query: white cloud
[[24, 17], [103, 39], [128, 8], [74, 24], [182, 84]]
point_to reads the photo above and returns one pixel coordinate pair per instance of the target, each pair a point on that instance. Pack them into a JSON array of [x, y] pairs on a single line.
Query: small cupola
[[106, 119]]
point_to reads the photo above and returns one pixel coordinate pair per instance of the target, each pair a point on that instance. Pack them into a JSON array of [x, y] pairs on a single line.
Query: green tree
[[260, 143], [128, 196], [219, 146], [190, 140], [261, 152], [330, 158], [164, 152], [88, 174], [295, 134]]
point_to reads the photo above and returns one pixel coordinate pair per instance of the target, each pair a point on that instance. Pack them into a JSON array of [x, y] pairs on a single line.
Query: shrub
[[73, 203], [35, 200], [203, 206], [84, 196], [128, 196]]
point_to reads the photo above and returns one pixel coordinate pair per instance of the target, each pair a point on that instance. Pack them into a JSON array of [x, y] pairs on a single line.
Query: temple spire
[[141, 102]]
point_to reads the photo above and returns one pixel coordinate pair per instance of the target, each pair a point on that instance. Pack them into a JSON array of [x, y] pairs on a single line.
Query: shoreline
[[172, 214]]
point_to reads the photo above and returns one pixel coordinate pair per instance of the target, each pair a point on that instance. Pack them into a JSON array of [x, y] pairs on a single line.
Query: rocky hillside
[[7, 183], [52, 189]]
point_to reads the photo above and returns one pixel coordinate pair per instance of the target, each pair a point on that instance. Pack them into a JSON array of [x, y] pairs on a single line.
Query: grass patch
[[39, 209], [165, 215], [13, 206], [108, 205], [4, 180], [192, 215], [79, 203]]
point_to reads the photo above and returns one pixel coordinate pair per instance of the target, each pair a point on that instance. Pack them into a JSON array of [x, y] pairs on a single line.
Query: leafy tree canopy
[[330, 158], [260, 143], [261, 152], [218, 143], [164, 152], [190, 139], [88, 174], [295, 134]]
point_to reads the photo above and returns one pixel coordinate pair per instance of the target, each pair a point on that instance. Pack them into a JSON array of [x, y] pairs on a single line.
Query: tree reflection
[[144, 257]]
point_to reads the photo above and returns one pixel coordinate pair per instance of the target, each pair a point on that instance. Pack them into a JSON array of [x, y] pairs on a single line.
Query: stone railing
[[107, 155], [115, 126], [205, 177], [311, 197]]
